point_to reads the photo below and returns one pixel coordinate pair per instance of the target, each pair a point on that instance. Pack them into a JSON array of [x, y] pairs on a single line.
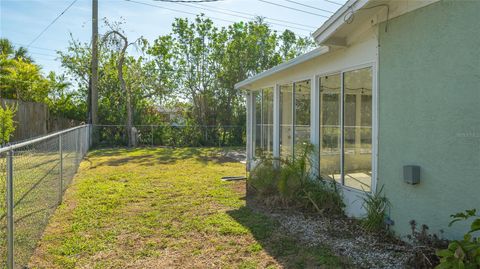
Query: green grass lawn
[[36, 184], [166, 208]]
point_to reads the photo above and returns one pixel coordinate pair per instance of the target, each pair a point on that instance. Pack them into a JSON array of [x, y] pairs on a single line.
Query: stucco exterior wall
[[429, 113]]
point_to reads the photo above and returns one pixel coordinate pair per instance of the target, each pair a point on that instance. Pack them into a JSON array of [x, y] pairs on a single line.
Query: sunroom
[[326, 97]]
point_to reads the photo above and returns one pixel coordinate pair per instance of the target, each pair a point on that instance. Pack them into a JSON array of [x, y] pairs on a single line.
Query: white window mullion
[[315, 122], [293, 119], [276, 121], [262, 122], [250, 132], [342, 129]]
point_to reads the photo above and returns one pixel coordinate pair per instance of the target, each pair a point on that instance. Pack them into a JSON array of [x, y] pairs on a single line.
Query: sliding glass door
[[346, 128]]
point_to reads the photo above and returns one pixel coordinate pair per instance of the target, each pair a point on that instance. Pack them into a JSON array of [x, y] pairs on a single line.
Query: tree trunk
[[125, 89]]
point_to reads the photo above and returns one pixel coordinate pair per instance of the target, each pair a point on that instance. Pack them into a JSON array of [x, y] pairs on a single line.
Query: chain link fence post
[[10, 261], [151, 130], [60, 150]]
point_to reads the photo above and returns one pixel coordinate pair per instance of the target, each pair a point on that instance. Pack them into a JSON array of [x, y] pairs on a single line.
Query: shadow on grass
[[283, 247], [160, 155]]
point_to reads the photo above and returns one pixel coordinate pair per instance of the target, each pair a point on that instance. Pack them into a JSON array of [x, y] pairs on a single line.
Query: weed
[[294, 184], [376, 205], [424, 245]]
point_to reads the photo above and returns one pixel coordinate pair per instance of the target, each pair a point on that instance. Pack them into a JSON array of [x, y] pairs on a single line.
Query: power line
[[333, 2], [48, 26], [296, 9], [240, 16], [43, 54], [33, 47], [321, 9], [268, 18], [45, 59], [185, 12], [189, 1], [177, 10]]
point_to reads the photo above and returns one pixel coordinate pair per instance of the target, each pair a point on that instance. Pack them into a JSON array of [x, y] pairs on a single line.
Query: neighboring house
[[172, 115], [393, 83]]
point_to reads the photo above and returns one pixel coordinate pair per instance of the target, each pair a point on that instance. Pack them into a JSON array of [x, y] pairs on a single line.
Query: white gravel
[[345, 239]]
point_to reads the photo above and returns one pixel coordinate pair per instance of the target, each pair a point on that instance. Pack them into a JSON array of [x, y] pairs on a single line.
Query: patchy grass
[[36, 185], [166, 208]]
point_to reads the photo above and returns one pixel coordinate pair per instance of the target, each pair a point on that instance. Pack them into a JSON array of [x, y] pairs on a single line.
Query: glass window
[[286, 120], [358, 129], [263, 122], [302, 112], [329, 148], [267, 121], [257, 130]]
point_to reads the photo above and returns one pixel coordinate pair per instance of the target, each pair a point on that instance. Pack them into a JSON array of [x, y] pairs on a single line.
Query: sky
[[23, 20]]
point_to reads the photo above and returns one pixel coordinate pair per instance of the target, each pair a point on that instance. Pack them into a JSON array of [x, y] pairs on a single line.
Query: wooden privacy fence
[[33, 120]]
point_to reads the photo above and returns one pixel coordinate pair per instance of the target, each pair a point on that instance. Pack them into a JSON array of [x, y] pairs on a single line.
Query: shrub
[[264, 178], [463, 253], [7, 126], [294, 184], [322, 196], [376, 205]]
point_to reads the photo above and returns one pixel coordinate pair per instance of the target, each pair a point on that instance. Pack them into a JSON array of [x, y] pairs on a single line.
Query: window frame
[[374, 154], [294, 110], [254, 121]]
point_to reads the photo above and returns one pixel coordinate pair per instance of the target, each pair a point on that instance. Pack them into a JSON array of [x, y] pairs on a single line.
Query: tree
[[20, 77], [206, 62], [120, 66], [196, 65], [9, 50]]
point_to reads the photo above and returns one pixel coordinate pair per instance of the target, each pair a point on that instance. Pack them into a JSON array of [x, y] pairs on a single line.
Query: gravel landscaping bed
[[344, 237]]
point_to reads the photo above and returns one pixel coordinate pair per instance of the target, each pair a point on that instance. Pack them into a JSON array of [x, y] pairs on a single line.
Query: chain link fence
[[173, 136], [34, 176]]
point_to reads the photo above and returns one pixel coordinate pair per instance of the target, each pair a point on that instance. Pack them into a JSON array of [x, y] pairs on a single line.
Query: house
[[172, 115], [391, 85]]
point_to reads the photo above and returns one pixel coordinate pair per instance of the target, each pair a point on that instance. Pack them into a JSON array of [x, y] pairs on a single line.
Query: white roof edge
[[297, 60], [337, 20]]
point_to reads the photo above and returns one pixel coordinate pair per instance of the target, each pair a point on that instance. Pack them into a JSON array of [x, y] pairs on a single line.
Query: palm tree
[[9, 50]]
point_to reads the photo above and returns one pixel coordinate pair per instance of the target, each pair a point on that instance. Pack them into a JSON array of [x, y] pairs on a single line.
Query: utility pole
[[94, 76]]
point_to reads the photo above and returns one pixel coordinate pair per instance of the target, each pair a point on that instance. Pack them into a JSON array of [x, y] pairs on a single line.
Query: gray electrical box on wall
[[411, 174]]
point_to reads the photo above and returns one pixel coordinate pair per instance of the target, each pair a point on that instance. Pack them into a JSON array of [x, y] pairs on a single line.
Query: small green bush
[[322, 196], [293, 184], [264, 178], [7, 125], [462, 253], [376, 205]]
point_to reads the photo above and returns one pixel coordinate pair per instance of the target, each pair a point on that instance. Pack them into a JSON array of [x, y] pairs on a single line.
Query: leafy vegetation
[[22, 79], [376, 205], [7, 126], [424, 245], [293, 184], [194, 68], [463, 253], [164, 208]]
